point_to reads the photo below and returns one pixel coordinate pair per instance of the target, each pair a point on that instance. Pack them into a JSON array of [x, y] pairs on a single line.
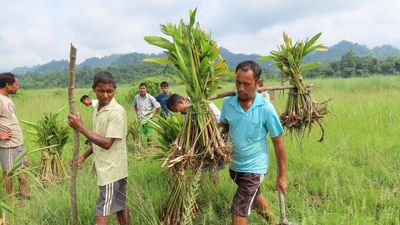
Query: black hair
[[164, 84], [103, 77], [84, 97], [143, 84], [7, 78], [250, 65], [173, 100]]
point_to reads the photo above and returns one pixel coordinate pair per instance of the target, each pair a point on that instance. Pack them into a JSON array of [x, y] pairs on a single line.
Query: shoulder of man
[[228, 98], [150, 96]]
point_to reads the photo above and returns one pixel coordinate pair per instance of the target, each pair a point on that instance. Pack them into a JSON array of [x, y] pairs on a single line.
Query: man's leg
[[246, 195], [112, 200], [148, 135], [143, 135], [124, 217], [8, 183], [239, 220], [263, 209], [101, 220], [6, 164], [23, 186]]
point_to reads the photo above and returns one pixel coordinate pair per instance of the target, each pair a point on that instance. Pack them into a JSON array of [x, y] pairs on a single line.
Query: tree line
[[350, 65], [128, 74]]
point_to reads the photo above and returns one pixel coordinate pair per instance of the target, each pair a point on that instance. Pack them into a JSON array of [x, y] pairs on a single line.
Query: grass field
[[353, 177]]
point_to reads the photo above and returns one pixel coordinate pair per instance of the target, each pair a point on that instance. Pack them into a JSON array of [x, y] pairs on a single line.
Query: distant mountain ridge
[[334, 53]]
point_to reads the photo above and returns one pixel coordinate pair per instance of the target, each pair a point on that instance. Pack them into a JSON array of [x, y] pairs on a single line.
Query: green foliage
[[50, 131], [351, 65], [167, 128], [200, 67], [351, 178], [134, 132], [129, 69], [124, 74], [301, 110], [194, 53], [15, 171]]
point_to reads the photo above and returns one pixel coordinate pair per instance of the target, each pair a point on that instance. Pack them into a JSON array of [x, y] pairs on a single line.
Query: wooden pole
[[262, 89], [72, 109]]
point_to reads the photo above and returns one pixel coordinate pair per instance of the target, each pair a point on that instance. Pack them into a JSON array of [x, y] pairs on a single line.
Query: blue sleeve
[[273, 124], [154, 102]]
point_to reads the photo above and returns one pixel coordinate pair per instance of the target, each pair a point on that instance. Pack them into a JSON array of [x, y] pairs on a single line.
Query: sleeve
[[134, 103], [222, 117], [215, 110], [116, 125], [154, 102], [273, 124]]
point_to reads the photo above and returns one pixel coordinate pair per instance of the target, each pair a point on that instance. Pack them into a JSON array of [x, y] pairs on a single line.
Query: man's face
[[246, 85], [13, 88], [87, 101], [104, 92], [181, 106], [164, 89], [143, 90]]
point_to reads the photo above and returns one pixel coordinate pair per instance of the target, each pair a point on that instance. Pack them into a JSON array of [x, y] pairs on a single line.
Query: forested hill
[[336, 51], [343, 59]]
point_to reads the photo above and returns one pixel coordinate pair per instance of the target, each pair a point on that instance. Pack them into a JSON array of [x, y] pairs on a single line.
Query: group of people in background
[[246, 117]]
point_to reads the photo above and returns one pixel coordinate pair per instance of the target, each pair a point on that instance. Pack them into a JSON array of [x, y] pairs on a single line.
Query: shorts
[[246, 195], [9, 155], [145, 129], [112, 198]]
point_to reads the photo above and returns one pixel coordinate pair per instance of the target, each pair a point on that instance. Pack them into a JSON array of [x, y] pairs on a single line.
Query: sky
[[36, 32]]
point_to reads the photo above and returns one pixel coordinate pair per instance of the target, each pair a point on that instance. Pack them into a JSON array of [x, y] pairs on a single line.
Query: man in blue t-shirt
[[163, 97], [248, 118]]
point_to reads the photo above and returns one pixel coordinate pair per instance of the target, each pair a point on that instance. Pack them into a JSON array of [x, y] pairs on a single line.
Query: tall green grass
[[353, 177]]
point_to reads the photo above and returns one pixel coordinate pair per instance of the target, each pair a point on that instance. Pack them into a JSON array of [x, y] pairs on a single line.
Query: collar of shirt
[[146, 96], [108, 106], [258, 100]]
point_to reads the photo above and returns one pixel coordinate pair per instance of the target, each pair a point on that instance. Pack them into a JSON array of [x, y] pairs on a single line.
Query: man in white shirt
[[145, 106], [177, 103], [86, 100]]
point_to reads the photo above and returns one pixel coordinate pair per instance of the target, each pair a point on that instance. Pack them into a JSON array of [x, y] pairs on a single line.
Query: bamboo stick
[[262, 89], [72, 107]]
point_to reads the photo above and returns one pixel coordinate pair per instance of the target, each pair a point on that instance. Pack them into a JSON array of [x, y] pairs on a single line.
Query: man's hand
[[75, 121], [5, 135], [281, 183], [81, 159], [280, 154]]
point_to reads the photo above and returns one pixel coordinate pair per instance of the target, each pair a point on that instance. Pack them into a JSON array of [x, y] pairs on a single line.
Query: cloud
[[35, 32]]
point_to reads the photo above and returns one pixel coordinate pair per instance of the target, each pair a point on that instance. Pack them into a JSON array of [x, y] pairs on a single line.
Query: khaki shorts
[[8, 156], [247, 192]]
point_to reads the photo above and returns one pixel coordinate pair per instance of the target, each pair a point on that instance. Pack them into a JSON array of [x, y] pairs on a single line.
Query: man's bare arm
[[280, 154], [101, 141]]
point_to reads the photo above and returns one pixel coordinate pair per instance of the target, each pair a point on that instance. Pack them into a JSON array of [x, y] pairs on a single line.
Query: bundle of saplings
[[301, 110], [198, 145], [51, 133]]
